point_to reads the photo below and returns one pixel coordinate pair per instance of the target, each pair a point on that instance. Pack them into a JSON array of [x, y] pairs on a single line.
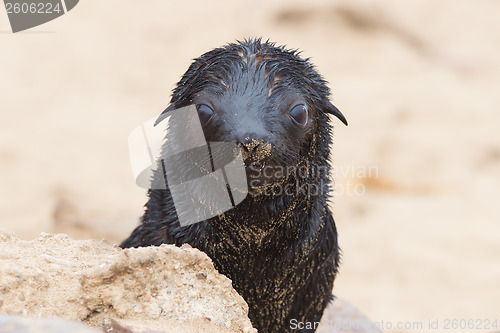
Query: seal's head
[[268, 100]]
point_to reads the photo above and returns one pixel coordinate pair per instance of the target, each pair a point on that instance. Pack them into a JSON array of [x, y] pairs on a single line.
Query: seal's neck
[[267, 222]]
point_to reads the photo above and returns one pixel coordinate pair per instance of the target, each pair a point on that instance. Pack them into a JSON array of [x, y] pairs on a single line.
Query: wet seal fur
[[279, 249]]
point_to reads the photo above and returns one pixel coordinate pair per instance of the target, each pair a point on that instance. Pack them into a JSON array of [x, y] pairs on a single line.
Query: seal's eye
[[299, 114], [205, 113]]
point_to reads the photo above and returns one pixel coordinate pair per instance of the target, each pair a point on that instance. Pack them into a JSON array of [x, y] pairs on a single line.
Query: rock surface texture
[[162, 288], [151, 289]]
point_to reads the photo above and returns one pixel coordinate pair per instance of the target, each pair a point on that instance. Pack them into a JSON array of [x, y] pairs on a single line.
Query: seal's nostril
[[254, 150], [251, 147], [248, 144]]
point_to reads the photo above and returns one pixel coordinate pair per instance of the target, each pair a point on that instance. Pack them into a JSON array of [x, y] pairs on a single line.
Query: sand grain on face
[[159, 288]]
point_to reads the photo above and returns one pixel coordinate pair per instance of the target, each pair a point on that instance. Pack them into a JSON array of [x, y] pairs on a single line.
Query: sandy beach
[[417, 171]]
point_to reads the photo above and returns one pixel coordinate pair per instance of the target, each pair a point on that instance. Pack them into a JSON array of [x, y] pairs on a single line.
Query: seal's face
[[266, 99], [270, 126]]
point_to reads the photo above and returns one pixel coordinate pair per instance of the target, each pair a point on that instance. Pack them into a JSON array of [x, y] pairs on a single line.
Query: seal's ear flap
[[331, 109], [164, 114]]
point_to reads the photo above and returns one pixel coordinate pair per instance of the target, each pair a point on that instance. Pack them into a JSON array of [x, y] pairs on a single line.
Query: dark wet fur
[[280, 251]]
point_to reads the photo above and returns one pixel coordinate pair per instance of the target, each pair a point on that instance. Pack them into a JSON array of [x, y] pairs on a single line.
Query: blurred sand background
[[418, 81]]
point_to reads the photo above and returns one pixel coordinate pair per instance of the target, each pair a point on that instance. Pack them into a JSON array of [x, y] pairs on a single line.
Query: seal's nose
[[249, 145], [253, 150]]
